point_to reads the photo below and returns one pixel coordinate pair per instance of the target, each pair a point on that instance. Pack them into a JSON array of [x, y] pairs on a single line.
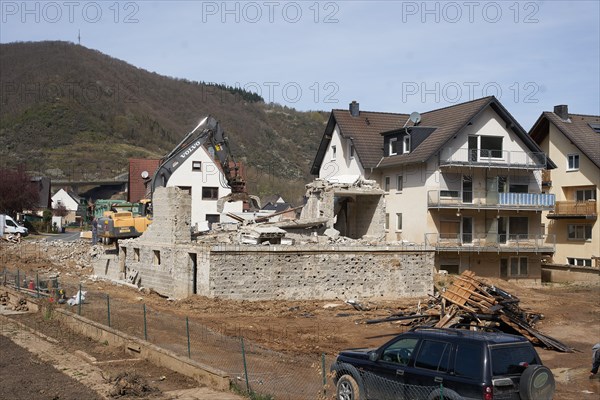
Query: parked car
[[439, 363], [10, 226]]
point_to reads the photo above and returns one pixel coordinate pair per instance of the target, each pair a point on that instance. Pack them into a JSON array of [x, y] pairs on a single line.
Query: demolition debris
[[470, 303]]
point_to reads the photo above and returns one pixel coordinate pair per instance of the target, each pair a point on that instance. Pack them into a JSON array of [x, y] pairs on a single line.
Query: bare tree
[[16, 191]]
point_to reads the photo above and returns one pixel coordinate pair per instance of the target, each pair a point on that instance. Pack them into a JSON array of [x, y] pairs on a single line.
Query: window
[[580, 262], [398, 221], [434, 356], [471, 369], [210, 193], [511, 360], [386, 183], [136, 254], [518, 266], [399, 352], [387, 221], [196, 165], [491, 146], [518, 188], [156, 260], [579, 232], [572, 162], [351, 150], [518, 228], [333, 152], [393, 150], [585, 194], [406, 144], [399, 183]]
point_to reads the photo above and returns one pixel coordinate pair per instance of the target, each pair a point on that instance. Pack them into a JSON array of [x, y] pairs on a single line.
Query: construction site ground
[[310, 328]]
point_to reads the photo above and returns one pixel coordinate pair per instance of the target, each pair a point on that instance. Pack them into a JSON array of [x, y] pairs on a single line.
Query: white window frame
[[592, 192], [490, 155], [519, 266], [333, 152], [399, 183], [574, 157], [351, 151], [406, 144], [387, 222], [398, 222], [387, 182], [391, 146], [583, 229], [579, 262]]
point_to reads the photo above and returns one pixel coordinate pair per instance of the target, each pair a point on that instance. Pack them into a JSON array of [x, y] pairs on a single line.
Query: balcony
[[574, 210], [487, 199], [492, 158], [491, 242]]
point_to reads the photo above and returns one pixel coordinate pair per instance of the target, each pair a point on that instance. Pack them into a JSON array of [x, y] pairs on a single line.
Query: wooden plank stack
[[472, 304]]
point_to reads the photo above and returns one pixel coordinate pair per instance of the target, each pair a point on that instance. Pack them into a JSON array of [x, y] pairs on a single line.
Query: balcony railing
[[489, 199], [491, 242], [574, 209], [492, 158]]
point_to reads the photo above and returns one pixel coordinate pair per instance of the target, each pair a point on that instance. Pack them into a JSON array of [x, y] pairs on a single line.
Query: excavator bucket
[[254, 201]]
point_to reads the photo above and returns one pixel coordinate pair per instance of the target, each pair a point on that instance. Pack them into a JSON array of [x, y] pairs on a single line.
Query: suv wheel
[[347, 388], [537, 383]]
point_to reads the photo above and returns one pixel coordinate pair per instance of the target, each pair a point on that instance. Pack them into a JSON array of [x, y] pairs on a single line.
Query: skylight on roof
[[595, 127]]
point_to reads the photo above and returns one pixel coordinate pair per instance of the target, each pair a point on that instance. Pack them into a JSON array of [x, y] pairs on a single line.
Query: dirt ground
[[572, 315]]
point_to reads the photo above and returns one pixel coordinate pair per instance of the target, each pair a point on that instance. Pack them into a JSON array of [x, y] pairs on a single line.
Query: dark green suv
[[436, 364]]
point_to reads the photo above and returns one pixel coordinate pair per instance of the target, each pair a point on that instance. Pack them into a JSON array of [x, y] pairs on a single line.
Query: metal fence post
[[245, 365], [37, 284], [324, 373], [187, 328], [108, 309], [79, 301], [145, 326]]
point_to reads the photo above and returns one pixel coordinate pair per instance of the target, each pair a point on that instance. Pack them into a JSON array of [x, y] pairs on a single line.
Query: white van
[[10, 226]]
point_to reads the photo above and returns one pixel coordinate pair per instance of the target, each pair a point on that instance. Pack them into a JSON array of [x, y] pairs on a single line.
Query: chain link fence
[[258, 372]]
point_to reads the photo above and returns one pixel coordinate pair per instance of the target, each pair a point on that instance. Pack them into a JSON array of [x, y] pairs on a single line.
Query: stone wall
[[295, 273], [281, 272]]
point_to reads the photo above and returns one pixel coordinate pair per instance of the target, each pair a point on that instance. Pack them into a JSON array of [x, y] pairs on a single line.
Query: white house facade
[[465, 180], [204, 180]]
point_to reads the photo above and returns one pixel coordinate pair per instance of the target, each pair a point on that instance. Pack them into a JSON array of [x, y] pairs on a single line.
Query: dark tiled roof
[[366, 130], [448, 121], [577, 130]]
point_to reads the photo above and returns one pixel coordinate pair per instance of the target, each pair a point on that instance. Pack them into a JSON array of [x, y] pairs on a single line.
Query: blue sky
[[394, 56]]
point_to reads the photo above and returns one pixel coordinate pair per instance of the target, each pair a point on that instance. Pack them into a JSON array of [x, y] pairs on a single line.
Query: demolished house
[[255, 263]]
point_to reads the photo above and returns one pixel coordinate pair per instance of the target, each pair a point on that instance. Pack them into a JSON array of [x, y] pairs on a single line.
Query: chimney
[[562, 111], [354, 110]]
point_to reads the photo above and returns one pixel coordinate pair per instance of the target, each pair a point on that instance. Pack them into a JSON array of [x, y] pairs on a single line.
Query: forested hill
[[69, 111]]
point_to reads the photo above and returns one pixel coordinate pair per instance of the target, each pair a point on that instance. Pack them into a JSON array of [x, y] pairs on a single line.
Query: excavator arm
[[209, 129]]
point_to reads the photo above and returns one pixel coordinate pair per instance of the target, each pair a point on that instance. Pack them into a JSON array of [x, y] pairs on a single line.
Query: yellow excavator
[[123, 225]]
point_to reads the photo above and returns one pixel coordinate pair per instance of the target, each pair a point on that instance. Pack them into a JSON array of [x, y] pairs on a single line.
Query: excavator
[[122, 225]]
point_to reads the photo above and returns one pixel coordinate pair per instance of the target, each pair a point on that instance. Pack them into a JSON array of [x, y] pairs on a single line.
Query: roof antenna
[[79, 37], [415, 117]]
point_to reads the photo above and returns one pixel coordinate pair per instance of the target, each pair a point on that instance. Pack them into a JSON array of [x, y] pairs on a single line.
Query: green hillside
[[71, 112]]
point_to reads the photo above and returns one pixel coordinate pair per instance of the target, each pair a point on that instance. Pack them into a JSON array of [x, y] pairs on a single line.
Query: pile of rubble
[[472, 304]]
